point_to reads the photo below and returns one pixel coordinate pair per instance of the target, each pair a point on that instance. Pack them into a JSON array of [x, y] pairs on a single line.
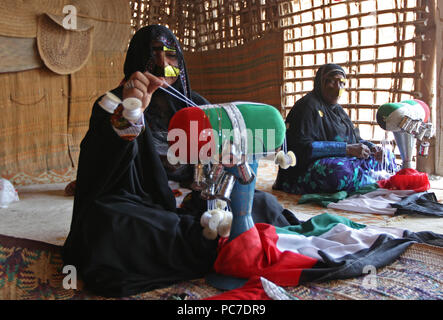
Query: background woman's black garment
[[312, 119], [126, 235]]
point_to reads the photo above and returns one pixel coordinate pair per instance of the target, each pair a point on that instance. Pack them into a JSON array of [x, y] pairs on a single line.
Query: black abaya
[[127, 236]]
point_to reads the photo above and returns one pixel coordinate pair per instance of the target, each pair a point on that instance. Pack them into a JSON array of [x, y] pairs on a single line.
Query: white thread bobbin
[[204, 219], [132, 109], [224, 227], [217, 217], [109, 102], [285, 160]]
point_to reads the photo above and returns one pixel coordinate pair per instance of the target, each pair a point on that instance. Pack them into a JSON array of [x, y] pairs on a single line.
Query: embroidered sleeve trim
[[321, 149], [127, 130], [367, 143]]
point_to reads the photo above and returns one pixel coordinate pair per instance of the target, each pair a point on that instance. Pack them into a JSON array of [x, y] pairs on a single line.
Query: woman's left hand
[[377, 152]]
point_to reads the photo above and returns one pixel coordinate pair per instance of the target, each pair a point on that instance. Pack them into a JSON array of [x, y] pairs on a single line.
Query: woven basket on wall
[[63, 51]]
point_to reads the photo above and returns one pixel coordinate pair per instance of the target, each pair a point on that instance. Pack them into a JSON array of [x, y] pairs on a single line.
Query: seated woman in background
[[331, 156], [127, 235]]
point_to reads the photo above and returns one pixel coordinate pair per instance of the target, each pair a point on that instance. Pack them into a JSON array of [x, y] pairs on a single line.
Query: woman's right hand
[[141, 86], [358, 150]]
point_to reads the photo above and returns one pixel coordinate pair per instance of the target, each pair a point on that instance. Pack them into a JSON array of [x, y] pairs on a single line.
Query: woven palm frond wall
[[379, 43]]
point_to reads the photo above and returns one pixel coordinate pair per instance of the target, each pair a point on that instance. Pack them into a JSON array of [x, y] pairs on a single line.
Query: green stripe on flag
[[319, 225]]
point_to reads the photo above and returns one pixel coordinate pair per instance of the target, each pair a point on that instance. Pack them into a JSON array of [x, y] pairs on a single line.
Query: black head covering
[[322, 73], [163, 106], [140, 54]]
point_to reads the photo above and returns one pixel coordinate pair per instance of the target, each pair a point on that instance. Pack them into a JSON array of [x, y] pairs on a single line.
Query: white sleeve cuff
[[134, 130]]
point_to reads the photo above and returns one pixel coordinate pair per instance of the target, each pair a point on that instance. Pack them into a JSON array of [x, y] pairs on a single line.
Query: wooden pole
[[439, 103], [426, 85]]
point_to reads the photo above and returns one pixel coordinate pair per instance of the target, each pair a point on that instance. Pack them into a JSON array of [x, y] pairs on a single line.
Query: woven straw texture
[[111, 21], [110, 18], [33, 126], [103, 72], [19, 18], [47, 114], [33, 270], [18, 54], [252, 72]]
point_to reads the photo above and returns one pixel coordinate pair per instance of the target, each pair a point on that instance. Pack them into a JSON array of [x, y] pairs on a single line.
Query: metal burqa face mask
[[163, 71]]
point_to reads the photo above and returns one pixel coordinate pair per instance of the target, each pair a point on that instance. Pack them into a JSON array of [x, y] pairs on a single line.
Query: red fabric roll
[[191, 133], [407, 179]]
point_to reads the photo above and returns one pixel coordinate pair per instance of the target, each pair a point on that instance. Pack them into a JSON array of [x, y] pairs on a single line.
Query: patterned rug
[[33, 270]]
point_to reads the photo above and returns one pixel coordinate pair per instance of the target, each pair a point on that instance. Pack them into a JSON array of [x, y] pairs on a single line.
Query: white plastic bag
[[8, 194]]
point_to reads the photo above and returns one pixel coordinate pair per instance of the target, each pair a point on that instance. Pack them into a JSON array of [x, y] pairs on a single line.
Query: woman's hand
[[141, 86], [358, 150], [377, 151]]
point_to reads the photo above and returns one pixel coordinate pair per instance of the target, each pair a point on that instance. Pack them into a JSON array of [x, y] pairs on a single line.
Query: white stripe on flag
[[340, 241]]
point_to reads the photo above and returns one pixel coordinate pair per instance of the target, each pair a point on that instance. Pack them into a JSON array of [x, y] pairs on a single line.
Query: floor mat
[[33, 270]]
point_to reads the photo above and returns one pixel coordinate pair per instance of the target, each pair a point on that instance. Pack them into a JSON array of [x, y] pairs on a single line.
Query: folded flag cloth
[[376, 202], [420, 203], [325, 247], [324, 199], [407, 179]]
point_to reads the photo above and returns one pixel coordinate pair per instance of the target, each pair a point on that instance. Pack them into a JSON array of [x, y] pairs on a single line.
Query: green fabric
[[384, 111], [319, 225], [365, 189], [258, 119], [324, 199], [411, 102]]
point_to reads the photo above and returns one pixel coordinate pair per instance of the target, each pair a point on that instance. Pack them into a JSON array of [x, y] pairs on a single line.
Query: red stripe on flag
[[254, 253]]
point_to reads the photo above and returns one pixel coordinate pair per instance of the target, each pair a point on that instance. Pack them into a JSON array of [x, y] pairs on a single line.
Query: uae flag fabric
[[326, 247]]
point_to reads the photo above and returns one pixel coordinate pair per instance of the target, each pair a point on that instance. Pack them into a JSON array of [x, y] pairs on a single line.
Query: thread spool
[[225, 186], [430, 130], [209, 234], [209, 192], [199, 178], [224, 228], [217, 216], [220, 204], [416, 127], [132, 109], [285, 160], [110, 102], [204, 219], [216, 173], [421, 132], [410, 127], [424, 149], [405, 123], [246, 175]]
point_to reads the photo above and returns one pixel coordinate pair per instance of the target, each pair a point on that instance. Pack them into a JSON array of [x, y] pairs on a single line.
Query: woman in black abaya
[[331, 155], [127, 236]]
